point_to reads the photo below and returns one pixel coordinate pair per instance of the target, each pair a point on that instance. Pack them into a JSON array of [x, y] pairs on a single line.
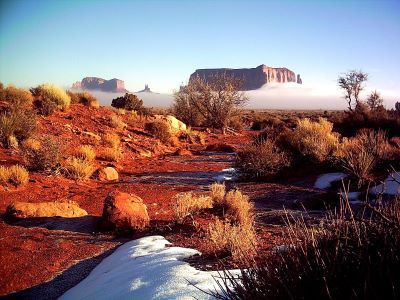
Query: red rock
[[108, 174], [123, 211], [253, 78]]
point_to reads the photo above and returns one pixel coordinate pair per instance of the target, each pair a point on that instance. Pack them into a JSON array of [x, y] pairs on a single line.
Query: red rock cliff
[[100, 84], [253, 78]]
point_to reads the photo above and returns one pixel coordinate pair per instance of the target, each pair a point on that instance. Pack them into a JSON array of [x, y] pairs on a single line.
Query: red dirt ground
[[36, 251]]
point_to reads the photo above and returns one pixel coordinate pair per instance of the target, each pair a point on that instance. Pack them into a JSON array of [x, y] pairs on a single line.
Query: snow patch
[[146, 269], [389, 187], [226, 175], [325, 181]]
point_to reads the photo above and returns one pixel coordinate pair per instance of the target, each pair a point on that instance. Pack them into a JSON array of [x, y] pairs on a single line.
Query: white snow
[[390, 186], [352, 196], [324, 181], [226, 175], [146, 269]]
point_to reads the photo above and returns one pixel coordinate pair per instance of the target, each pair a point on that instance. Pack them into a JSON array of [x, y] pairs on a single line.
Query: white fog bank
[[270, 96]]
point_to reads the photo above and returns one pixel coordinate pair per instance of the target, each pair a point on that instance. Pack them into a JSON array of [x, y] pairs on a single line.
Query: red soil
[[33, 252]]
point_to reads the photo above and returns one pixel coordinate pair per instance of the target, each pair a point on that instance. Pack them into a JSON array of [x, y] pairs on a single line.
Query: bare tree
[[214, 100], [375, 101], [352, 84]]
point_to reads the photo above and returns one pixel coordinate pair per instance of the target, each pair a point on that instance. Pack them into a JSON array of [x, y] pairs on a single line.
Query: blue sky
[[162, 42]]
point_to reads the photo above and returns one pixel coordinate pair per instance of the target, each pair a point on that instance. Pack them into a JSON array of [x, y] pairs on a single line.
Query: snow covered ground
[[324, 181], [145, 269], [390, 186], [226, 175]]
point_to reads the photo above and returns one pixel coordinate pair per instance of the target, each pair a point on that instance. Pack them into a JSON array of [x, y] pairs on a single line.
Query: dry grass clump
[[15, 126], [314, 139], [239, 208], [43, 153], [84, 98], [238, 240], [261, 159], [49, 98], [16, 175], [86, 152], [193, 137], [218, 194], [111, 140], [110, 154], [78, 168], [361, 153], [347, 256], [16, 98], [116, 122], [185, 205], [160, 130]]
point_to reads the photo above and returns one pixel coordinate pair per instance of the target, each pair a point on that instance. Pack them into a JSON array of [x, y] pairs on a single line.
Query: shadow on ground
[[86, 224], [61, 283]]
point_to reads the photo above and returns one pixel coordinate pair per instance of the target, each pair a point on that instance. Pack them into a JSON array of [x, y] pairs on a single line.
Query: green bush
[[49, 98], [128, 102]]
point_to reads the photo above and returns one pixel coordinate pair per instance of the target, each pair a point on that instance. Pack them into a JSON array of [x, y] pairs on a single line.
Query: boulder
[[45, 209], [175, 125], [108, 174], [124, 212]]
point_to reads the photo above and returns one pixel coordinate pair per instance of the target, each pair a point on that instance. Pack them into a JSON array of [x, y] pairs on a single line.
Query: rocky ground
[[47, 256]]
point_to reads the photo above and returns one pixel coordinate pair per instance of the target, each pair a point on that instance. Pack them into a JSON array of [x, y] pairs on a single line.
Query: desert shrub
[[314, 139], [239, 208], [79, 169], [218, 194], [216, 99], [110, 154], [360, 154], [347, 256], [86, 152], [16, 98], [16, 175], [160, 130], [116, 122], [84, 98], [349, 123], [43, 153], [262, 123], [236, 123], [15, 126], [128, 102], [192, 136], [261, 159], [49, 98], [111, 140], [185, 204], [237, 240]]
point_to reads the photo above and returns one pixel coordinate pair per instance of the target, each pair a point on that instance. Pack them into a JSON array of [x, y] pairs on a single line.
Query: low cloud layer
[[270, 96]]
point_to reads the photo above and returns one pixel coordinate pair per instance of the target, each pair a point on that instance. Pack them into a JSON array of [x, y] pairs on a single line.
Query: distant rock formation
[[253, 78], [94, 83], [145, 90], [299, 81]]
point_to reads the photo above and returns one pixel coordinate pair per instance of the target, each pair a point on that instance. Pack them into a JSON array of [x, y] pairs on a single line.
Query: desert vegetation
[[165, 168], [212, 103], [348, 256]]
